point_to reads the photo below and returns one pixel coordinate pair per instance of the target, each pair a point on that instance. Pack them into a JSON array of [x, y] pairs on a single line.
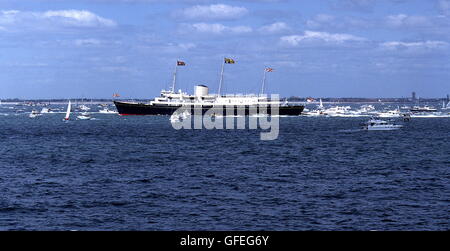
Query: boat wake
[[351, 130]]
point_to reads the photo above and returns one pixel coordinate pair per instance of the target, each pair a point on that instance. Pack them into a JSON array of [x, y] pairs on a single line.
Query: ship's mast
[[264, 81], [266, 70], [221, 78], [174, 77]]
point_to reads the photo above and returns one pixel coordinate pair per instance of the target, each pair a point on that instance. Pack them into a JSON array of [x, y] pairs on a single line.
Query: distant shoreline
[[290, 99]]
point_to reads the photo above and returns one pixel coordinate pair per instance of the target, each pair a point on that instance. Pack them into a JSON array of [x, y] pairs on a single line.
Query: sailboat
[[445, 107], [66, 118]]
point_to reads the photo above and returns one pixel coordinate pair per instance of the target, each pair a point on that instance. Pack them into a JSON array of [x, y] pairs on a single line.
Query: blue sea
[[138, 173]]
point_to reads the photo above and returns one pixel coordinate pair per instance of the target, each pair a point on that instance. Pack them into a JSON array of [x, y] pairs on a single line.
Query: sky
[[317, 48]]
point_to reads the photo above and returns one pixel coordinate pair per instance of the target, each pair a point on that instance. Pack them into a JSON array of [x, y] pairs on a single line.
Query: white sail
[[321, 104], [68, 111]]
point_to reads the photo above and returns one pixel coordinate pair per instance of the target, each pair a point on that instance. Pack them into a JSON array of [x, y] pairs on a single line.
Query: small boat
[[366, 109], [315, 113], [66, 118], [35, 114], [380, 125], [84, 117], [84, 108], [179, 117], [107, 111], [337, 111], [445, 107], [423, 109], [390, 114], [320, 107], [406, 117], [45, 110]]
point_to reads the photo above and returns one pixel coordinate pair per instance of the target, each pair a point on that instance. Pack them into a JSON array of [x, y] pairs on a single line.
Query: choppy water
[[137, 173]]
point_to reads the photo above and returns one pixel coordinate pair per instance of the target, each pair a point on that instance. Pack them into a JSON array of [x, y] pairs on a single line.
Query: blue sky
[[318, 48]]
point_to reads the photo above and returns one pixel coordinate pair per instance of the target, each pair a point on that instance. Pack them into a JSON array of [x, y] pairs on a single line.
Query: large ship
[[202, 101]]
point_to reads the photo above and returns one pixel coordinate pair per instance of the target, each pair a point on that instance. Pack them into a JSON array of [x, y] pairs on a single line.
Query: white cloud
[[444, 6], [275, 28], [402, 20], [210, 12], [187, 46], [177, 47], [78, 18], [312, 36], [325, 21], [397, 45], [93, 42], [18, 20], [320, 20], [87, 42], [216, 28]]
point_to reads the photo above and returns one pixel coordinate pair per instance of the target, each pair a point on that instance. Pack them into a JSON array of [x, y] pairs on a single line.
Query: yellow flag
[[229, 61]]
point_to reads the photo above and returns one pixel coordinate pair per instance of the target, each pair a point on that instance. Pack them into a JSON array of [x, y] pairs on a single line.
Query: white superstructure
[[380, 125], [203, 97]]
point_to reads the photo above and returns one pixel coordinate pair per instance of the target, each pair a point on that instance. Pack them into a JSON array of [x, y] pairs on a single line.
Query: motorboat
[[366, 109], [107, 111], [35, 114], [179, 117], [337, 110], [380, 125], [390, 114], [423, 109], [84, 108], [84, 116], [45, 110]]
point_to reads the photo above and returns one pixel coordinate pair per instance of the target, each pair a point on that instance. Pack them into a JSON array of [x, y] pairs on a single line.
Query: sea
[[138, 173]]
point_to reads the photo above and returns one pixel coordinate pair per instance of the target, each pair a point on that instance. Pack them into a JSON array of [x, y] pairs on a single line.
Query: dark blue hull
[[128, 108]]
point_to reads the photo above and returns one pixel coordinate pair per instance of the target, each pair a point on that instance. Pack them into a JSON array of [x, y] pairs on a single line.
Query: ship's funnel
[[201, 90]]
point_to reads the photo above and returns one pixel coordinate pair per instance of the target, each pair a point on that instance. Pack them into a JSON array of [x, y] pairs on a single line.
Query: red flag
[[115, 95], [269, 69], [181, 63]]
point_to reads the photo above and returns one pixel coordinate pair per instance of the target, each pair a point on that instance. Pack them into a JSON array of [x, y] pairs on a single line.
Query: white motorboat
[[315, 113], [84, 117], [390, 114], [366, 109], [179, 117], [84, 108], [423, 109], [46, 110], [35, 114], [107, 111], [337, 111], [380, 125]]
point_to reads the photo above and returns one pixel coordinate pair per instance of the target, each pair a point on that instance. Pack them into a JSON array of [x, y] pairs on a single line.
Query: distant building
[[448, 97], [413, 97]]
